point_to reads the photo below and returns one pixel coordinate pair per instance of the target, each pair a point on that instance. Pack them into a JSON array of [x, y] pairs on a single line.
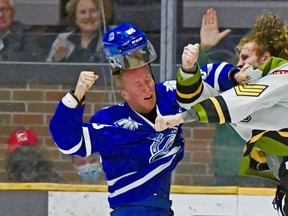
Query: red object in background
[[21, 137]]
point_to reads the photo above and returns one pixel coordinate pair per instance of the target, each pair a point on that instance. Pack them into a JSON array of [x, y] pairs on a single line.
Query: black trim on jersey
[[270, 134], [218, 111], [250, 145], [192, 70], [210, 110], [276, 136], [258, 166], [151, 116], [191, 89], [224, 108]]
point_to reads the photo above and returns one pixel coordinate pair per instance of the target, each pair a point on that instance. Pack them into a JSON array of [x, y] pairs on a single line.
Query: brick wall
[[32, 105]]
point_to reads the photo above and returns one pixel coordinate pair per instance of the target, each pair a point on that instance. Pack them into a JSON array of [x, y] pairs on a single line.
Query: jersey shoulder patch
[[252, 90]]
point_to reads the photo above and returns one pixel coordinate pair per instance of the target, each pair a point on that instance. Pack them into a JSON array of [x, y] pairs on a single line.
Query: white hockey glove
[[164, 122], [170, 121], [252, 75]]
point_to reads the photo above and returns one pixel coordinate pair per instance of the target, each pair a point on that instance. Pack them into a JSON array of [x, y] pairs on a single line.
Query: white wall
[[47, 12], [38, 12], [232, 14], [95, 203]]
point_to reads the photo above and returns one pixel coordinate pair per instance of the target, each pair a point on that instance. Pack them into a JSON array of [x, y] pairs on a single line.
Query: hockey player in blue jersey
[[137, 160]]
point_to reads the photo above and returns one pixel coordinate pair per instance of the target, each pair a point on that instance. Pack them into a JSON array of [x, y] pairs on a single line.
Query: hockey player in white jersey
[[266, 38], [256, 108]]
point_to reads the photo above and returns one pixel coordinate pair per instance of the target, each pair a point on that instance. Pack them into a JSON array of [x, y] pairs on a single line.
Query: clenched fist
[[190, 56], [85, 82], [169, 121]]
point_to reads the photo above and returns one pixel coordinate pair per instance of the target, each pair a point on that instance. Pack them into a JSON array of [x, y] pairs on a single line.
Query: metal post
[[168, 39]]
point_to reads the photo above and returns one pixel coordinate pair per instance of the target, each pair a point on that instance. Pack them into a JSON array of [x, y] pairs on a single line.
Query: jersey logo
[[280, 72], [249, 90], [129, 124], [162, 144], [170, 85]]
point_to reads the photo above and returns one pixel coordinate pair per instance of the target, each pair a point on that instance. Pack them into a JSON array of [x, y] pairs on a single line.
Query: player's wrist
[[189, 116], [192, 70], [71, 101], [232, 75]]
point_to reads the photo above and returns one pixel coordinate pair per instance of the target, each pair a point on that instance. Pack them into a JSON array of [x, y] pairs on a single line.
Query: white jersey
[[260, 105], [257, 111]]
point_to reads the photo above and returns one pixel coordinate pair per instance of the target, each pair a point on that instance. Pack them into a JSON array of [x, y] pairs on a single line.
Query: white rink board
[[77, 203], [96, 204]]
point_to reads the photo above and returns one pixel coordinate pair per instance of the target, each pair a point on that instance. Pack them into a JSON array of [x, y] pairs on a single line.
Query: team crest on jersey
[[251, 90], [129, 124], [170, 85], [162, 144]]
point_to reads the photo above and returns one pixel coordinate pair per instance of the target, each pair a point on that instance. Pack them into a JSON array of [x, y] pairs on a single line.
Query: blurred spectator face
[[88, 168], [6, 15], [248, 56], [25, 162], [87, 16]]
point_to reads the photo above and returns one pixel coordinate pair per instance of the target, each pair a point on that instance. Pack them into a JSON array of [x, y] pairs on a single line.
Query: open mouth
[[148, 98]]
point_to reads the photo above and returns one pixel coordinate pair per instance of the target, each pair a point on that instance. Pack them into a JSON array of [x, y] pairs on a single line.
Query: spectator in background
[[26, 161], [83, 43], [14, 44], [89, 169], [210, 35]]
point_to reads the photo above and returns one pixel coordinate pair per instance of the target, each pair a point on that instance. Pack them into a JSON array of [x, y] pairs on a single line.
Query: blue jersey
[[217, 75], [137, 160]]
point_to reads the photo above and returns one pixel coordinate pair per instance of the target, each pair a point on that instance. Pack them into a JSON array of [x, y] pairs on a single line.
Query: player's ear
[[266, 56], [123, 93]]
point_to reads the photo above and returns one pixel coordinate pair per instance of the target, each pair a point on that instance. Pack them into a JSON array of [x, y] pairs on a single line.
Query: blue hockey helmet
[[127, 47]]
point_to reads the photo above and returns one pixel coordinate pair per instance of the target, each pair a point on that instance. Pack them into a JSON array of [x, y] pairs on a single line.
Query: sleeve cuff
[[231, 75], [192, 70], [70, 100], [190, 73]]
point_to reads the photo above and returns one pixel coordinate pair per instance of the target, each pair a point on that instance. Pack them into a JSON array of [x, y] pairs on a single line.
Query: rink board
[[86, 200]]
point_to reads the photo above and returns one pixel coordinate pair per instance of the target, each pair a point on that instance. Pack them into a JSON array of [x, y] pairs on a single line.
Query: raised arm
[[209, 32], [66, 125], [233, 105]]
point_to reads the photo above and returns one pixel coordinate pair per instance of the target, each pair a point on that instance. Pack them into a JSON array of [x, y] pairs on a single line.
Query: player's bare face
[[87, 16], [248, 56], [139, 89]]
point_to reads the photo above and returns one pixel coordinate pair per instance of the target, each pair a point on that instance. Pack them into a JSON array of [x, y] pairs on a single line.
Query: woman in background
[[83, 43]]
